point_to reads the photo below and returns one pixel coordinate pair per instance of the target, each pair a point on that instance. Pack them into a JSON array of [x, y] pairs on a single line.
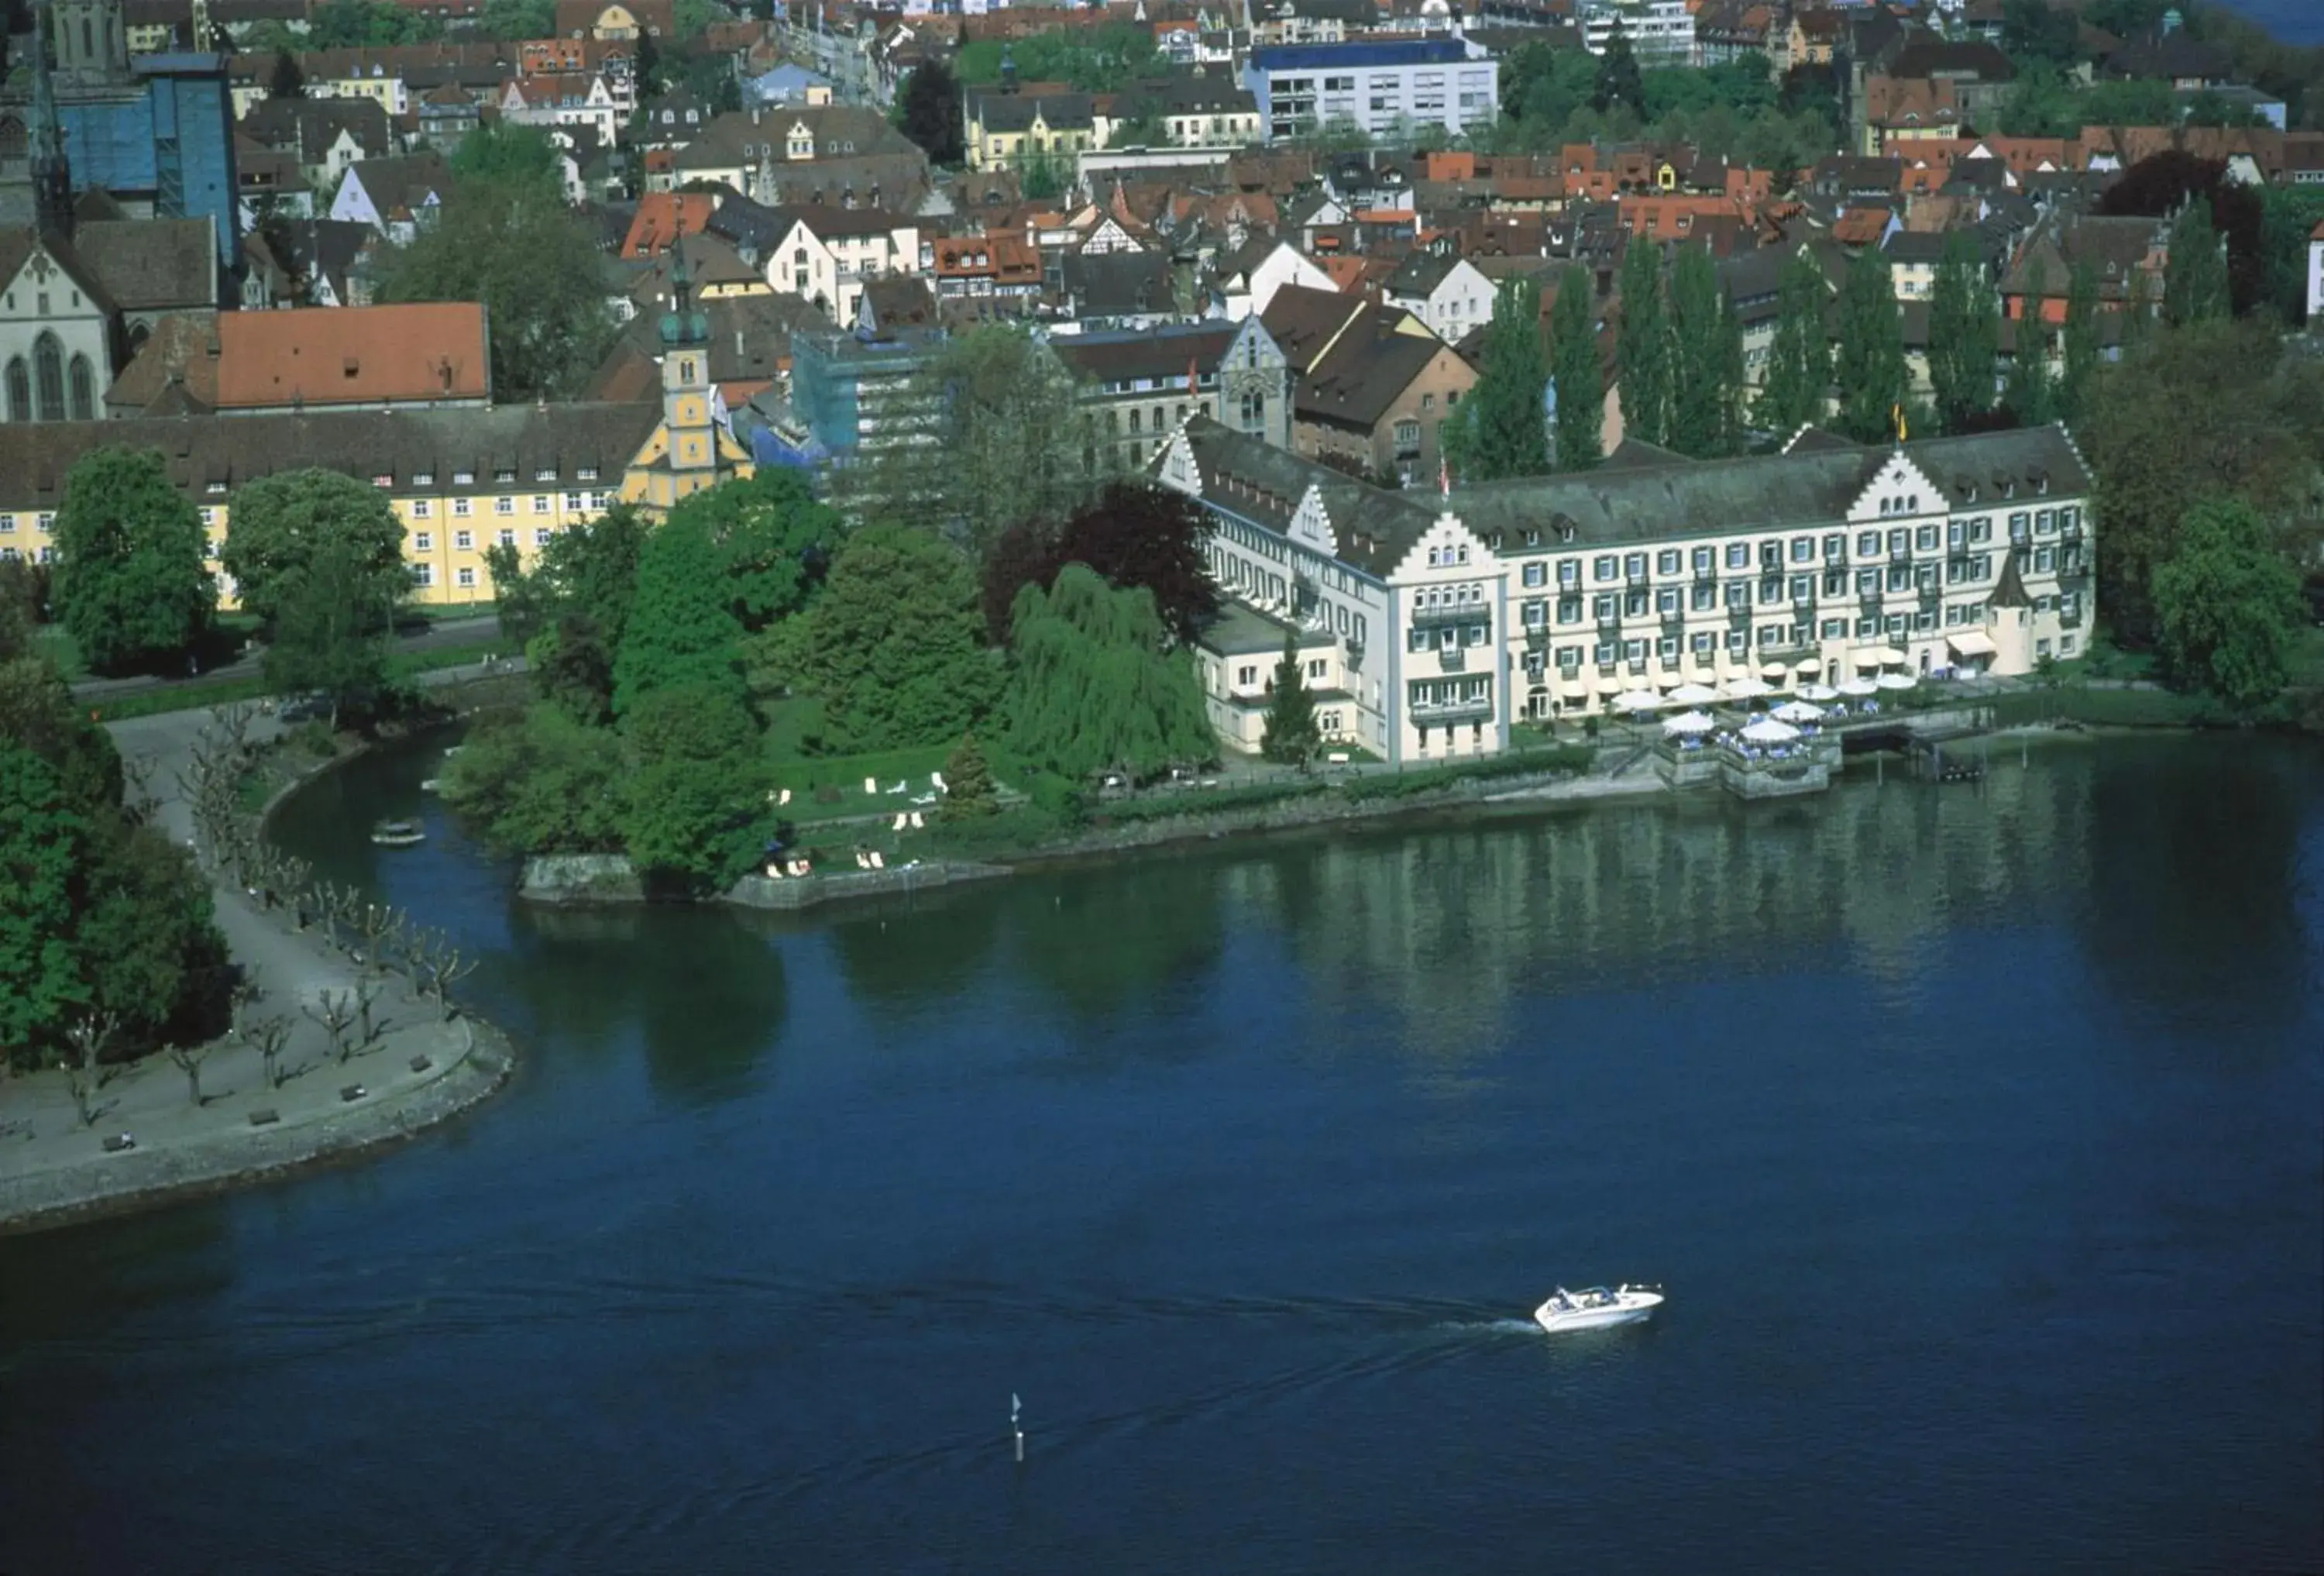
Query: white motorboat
[[1595, 1308]]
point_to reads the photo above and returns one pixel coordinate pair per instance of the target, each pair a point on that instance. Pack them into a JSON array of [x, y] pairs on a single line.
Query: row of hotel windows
[[1710, 596], [575, 503], [1782, 637], [1773, 552], [1253, 583]]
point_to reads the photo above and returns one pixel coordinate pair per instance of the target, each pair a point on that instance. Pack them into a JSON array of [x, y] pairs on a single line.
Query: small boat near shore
[[398, 834], [1595, 1308]]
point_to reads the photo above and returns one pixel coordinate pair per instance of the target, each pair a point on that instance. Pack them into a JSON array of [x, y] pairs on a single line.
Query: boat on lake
[[398, 834], [1595, 1308]]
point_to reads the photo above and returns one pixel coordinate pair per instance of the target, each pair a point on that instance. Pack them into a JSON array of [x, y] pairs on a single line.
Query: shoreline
[[1480, 799], [54, 1168]]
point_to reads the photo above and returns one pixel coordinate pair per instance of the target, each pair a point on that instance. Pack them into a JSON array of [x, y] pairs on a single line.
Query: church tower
[[693, 455], [53, 202]]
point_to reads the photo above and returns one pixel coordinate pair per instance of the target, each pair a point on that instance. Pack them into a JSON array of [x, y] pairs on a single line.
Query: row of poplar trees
[[1678, 355]]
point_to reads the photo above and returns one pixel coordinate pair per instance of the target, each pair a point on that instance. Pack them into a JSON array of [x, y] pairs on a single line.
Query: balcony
[[1445, 613], [1870, 596], [1706, 573], [1452, 711], [1738, 614], [1450, 660]]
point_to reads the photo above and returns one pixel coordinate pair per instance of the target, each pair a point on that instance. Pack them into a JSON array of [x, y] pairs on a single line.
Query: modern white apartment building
[[1661, 32], [1381, 86], [1453, 616]]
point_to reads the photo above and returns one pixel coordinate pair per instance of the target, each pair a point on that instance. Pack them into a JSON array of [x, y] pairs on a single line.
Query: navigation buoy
[[1016, 1424]]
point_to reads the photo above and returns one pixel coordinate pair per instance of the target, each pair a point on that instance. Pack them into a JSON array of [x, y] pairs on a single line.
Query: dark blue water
[[1978, 1136]]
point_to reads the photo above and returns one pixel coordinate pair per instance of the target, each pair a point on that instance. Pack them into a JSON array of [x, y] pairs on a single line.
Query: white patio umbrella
[[1896, 681], [1748, 688], [1694, 695], [1638, 700], [1767, 731], [1688, 723], [1797, 711], [1818, 691], [1859, 686]]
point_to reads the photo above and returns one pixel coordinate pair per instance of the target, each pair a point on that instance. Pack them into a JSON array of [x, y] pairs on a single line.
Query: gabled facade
[[1450, 615], [1446, 293], [57, 333], [828, 255]]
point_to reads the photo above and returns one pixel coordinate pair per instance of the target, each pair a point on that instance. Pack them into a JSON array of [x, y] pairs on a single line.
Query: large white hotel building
[[1429, 622]]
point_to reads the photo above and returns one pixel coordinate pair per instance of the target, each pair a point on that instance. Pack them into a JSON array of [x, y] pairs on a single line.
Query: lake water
[[1977, 1134]]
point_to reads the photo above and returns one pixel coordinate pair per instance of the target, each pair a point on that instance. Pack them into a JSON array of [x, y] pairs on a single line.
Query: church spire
[[52, 175]]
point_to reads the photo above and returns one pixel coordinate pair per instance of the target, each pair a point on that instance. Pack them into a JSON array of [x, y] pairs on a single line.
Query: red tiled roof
[[353, 356], [666, 217]]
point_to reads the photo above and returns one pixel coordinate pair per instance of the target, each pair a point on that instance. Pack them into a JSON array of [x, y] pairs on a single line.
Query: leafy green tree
[[516, 21], [696, 814], [893, 644], [1576, 372], [1619, 84], [2194, 280], [681, 627], [513, 246], [2228, 605], [1291, 737], [1799, 359], [130, 582], [2218, 409], [341, 24], [2030, 396], [1870, 364], [518, 158], [1964, 336], [572, 667], [1643, 348], [1504, 432], [928, 112], [330, 633], [969, 794], [1702, 398], [775, 537], [286, 81], [44, 847], [278, 525], [1093, 690], [2289, 216], [2082, 342], [1010, 444], [540, 782], [103, 915]]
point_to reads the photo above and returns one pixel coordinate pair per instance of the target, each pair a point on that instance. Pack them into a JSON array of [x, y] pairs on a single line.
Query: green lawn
[[233, 691], [51, 642]]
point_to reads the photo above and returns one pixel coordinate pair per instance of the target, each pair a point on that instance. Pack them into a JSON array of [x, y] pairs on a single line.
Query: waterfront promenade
[[421, 1069]]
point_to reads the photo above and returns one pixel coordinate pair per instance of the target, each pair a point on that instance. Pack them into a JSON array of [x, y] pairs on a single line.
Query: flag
[[1444, 475], [1897, 411], [1191, 378]]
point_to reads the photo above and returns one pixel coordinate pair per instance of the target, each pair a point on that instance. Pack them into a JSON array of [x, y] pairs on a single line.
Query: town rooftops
[[1166, 352], [152, 264], [354, 355], [454, 451]]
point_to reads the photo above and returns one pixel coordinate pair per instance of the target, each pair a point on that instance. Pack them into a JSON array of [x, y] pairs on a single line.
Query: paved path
[[438, 635], [51, 1164]]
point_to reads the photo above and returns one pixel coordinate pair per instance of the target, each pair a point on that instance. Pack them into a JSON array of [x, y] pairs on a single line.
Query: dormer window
[[464, 478]]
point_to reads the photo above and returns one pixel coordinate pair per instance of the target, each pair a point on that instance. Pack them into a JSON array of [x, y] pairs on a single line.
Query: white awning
[[1611, 685], [1573, 689], [1879, 656], [1972, 644]]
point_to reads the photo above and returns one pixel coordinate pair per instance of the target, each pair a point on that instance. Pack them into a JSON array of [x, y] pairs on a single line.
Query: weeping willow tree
[[1094, 689]]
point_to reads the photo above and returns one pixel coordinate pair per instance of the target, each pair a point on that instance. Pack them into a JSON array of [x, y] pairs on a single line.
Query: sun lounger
[[918, 824], [901, 822], [878, 862], [871, 785], [936, 781]]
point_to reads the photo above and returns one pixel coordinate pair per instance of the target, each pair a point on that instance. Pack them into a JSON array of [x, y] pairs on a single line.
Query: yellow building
[[1005, 128], [461, 481]]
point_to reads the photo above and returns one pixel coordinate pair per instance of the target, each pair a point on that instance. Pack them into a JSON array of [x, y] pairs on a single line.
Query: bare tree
[[446, 969], [367, 988], [189, 1060], [269, 1036], [88, 1035], [335, 1010]]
